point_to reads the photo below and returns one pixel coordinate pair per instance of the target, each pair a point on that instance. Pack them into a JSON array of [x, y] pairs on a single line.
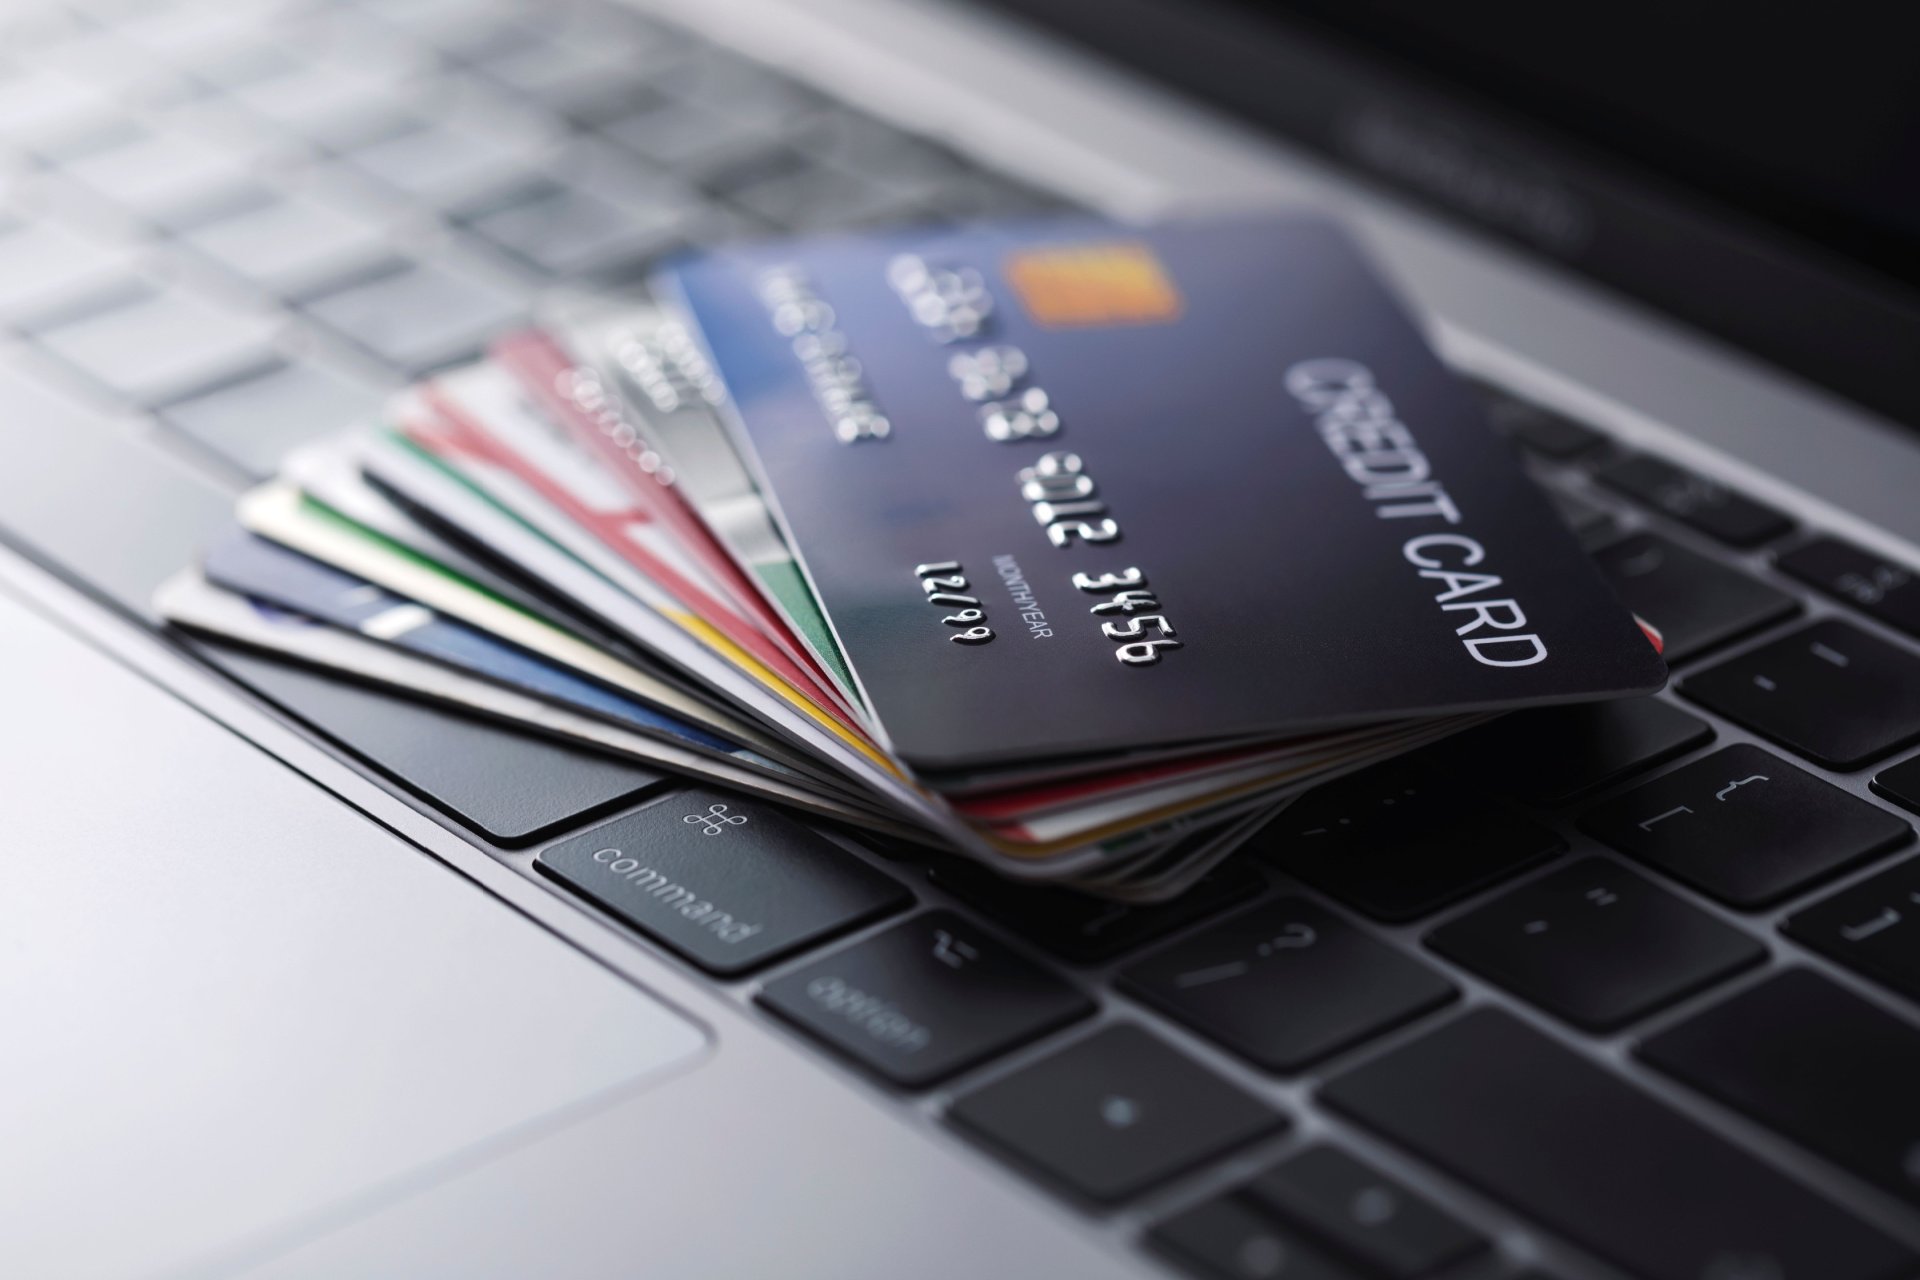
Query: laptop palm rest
[[231, 1002]]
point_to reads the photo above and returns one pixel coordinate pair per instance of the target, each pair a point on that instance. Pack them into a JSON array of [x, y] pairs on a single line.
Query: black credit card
[[1070, 487]]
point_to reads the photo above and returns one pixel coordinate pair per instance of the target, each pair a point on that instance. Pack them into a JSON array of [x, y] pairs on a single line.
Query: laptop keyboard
[[249, 221]]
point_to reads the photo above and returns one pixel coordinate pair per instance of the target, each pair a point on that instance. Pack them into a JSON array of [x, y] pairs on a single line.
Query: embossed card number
[[1148, 633]]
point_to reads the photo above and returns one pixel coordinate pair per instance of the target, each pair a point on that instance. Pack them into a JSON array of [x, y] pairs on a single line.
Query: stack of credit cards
[[1074, 548]]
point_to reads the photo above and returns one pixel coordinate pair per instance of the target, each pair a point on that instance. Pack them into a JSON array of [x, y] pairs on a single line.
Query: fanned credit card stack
[[1073, 548]]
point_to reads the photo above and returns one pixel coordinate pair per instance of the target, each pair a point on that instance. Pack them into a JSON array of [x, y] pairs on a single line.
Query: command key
[[727, 883]]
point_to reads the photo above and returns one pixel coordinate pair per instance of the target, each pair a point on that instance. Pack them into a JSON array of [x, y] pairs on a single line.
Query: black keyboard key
[[1694, 602], [1809, 1058], [1900, 784], [924, 999], [1872, 927], [1550, 434], [1555, 754], [1285, 983], [1695, 501], [1829, 691], [1227, 1238], [1113, 1114], [1596, 944], [1078, 927], [1876, 586], [1364, 1214], [1397, 841], [1563, 1140], [725, 881], [513, 788], [1744, 826]]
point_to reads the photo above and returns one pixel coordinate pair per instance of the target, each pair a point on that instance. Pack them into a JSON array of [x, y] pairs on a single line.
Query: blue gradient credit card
[[1072, 487]]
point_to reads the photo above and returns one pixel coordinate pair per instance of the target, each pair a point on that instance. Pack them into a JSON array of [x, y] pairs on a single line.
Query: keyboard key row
[[1592, 943]]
